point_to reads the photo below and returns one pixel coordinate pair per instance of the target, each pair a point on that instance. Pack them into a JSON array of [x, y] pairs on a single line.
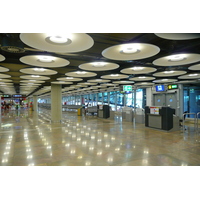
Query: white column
[[35, 103], [149, 98], [56, 103]]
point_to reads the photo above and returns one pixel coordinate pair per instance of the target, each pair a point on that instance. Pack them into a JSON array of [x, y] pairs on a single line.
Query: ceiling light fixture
[[46, 59], [39, 69], [142, 77], [59, 39], [193, 75], [176, 58], [99, 64], [130, 49], [36, 76], [137, 68], [114, 75], [69, 77], [81, 72], [168, 72]]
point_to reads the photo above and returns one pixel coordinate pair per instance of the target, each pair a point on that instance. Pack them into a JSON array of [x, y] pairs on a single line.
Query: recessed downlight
[[130, 49], [45, 59], [59, 39], [81, 72], [142, 77], [193, 75], [99, 64], [69, 77], [39, 69], [178, 57], [168, 72], [137, 68]]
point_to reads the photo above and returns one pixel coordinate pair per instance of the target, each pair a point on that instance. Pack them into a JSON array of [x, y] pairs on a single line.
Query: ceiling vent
[[13, 49]]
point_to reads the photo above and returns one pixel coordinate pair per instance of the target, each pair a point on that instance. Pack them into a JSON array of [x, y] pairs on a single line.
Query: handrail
[[194, 119], [198, 120]]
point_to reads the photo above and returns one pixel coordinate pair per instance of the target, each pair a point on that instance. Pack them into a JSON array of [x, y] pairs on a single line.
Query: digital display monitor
[[160, 88], [17, 95]]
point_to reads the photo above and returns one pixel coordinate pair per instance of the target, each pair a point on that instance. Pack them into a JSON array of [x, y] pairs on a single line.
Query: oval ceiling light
[[5, 80], [114, 76], [138, 70], [58, 42], [131, 51], [178, 36], [32, 80], [123, 82], [169, 73], [62, 82], [98, 81], [81, 74], [44, 61], [142, 78], [144, 83], [38, 71], [190, 76], [36, 77], [165, 80], [2, 58], [177, 59], [194, 67], [69, 79], [98, 66], [3, 69], [4, 76]]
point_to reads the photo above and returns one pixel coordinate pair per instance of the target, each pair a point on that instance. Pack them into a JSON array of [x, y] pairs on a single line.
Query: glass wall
[[191, 99], [116, 99]]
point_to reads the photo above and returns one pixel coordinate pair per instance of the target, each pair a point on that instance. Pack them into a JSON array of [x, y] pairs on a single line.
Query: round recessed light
[[81, 72], [130, 49], [168, 72], [45, 59], [39, 69], [99, 64], [193, 75], [137, 68], [142, 77], [175, 58], [59, 39]]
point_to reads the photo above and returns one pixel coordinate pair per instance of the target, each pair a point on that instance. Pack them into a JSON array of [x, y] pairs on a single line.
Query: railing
[[195, 120]]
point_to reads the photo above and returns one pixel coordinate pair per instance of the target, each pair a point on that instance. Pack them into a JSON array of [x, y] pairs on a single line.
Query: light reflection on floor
[[29, 139]]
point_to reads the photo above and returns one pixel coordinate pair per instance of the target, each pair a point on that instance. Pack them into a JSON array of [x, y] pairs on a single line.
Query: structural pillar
[[56, 103], [35, 103]]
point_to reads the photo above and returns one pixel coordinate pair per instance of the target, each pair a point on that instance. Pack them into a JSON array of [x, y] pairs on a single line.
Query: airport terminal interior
[[100, 99]]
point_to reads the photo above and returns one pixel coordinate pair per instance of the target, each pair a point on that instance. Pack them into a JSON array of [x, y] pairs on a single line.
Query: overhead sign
[[6, 95], [172, 87], [127, 88]]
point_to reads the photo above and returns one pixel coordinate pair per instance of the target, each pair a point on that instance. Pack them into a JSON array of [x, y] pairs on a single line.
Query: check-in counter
[[159, 117]]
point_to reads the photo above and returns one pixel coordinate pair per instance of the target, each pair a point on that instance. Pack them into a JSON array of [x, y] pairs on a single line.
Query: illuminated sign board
[[127, 88], [172, 87], [5, 96]]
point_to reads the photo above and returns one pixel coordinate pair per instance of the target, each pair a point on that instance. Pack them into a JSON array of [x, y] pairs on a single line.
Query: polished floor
[[27, 138]]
